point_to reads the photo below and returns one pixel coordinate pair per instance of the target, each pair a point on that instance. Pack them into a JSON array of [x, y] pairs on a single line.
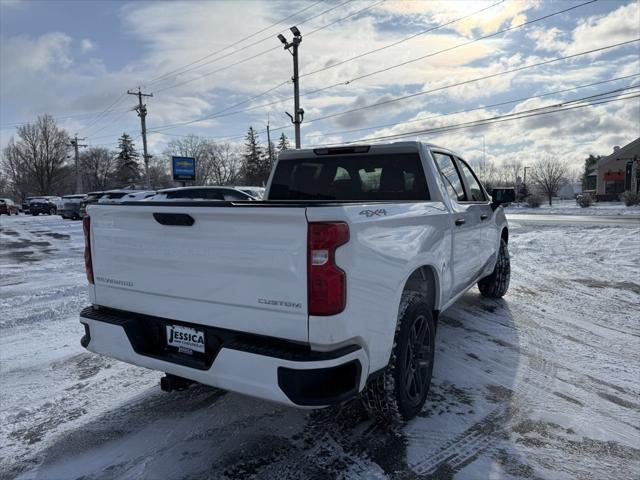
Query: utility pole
[[292, 48], [269, 143], [142, 113], [74, 143], [524, 180]]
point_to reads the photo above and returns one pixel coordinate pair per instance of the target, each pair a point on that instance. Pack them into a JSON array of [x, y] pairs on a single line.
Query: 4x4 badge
[[381, 212]]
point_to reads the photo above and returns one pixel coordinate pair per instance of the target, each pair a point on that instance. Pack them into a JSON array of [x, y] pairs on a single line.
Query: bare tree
[[34, 162], [215, 164], [513, 170], [227, 164], [548, 175], [39, 154], [98, 166], [195, 147]]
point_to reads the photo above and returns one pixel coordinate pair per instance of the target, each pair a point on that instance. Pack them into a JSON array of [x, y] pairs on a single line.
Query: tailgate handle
[[175, 219]]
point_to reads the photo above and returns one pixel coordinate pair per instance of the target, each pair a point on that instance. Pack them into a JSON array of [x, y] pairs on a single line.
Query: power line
[[245, 47], [521, 99], [64, 117], [347, 82], [154, 80], [213, 115], [403, 97], [484, 37], [111, 106], [263, 52], [485, 77], [482, 107], [500, 118], [398, 42]]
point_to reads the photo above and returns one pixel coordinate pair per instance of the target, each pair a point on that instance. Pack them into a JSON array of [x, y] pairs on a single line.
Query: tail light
[[88, 263], [327, 283]]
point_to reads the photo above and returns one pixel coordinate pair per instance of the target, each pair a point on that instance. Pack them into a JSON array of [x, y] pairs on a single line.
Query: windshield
[[367, 177]]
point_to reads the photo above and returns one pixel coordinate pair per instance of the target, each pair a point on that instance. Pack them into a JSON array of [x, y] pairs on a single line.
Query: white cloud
[[23, 54], [549, 39], [617, 26], [597, 31], [502, 15], [86, 45]]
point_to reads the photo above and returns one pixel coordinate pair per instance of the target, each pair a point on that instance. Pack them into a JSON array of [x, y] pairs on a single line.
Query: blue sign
[[184, 168]]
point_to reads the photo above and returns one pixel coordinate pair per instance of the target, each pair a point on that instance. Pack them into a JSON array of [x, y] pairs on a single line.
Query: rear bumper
[[253, 365], [40, 209], [69, 212]]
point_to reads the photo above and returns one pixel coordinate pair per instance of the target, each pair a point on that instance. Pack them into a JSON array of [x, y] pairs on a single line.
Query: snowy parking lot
[[544, 383]]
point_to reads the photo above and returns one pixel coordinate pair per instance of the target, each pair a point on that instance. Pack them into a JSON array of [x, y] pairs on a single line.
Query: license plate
[[185, 338]]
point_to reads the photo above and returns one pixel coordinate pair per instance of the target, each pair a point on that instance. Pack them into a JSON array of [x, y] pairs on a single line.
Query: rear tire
[[497, 284], [399, 393]]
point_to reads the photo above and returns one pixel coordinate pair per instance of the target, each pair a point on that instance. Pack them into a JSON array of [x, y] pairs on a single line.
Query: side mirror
[[502, 196]]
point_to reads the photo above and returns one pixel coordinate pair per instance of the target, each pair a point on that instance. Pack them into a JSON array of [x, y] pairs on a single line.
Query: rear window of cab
[[351, 178]]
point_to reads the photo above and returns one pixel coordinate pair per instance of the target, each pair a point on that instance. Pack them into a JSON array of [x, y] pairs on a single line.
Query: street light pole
[[292, 48]]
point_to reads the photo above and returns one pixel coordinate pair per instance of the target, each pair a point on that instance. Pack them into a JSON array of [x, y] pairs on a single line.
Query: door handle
[[460, 221], [175, 219], [484, 216]]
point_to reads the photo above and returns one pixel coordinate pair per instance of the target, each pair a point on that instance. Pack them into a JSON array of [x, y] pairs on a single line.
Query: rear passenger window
[[475, 190], [450, 176]]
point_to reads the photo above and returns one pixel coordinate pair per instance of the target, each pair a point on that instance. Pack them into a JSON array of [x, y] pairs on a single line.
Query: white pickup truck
[[329, 288]]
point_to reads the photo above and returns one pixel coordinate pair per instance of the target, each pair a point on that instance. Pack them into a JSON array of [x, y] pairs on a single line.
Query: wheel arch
[[425, 280], [504, 235]]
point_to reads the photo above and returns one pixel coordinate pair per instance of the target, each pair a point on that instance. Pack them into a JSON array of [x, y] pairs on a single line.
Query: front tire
[[399, 393], [497, 284]]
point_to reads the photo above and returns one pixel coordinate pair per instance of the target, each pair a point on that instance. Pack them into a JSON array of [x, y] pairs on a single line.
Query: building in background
[[618, 172]]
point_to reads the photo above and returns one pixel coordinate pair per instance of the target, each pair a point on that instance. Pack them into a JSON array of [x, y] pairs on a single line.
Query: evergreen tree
[[256, 167], [127, 167], [589, 165], [283, 143]]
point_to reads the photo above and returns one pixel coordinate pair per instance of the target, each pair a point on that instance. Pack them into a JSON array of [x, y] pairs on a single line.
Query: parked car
[[114, 196], [48, 205], [201, 193], [329, 288], [8, 207], [25, 204], [138, 195], [71, 206], [255, 192], [91, 197]]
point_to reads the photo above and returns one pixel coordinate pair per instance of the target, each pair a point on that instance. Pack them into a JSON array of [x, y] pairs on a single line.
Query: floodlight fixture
[[282, 39], [295, 31]]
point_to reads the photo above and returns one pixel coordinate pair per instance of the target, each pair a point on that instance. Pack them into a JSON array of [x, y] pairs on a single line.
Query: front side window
[[475, 190], [450, 176]]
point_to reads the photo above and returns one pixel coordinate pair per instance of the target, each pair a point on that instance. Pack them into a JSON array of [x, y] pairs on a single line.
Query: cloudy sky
[[216, 67]]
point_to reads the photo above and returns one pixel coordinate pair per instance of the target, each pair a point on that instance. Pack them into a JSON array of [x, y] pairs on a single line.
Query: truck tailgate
[[229, 269]]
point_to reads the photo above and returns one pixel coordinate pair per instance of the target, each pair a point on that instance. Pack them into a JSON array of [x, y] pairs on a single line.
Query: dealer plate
[[185, 338]]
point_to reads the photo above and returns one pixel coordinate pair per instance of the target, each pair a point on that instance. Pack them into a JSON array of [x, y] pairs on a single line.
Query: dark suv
[[71, 206], [43, 205], [92, 197]]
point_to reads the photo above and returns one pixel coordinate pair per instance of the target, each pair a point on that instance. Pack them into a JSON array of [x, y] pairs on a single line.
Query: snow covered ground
[[542, 384], [569, 207]]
